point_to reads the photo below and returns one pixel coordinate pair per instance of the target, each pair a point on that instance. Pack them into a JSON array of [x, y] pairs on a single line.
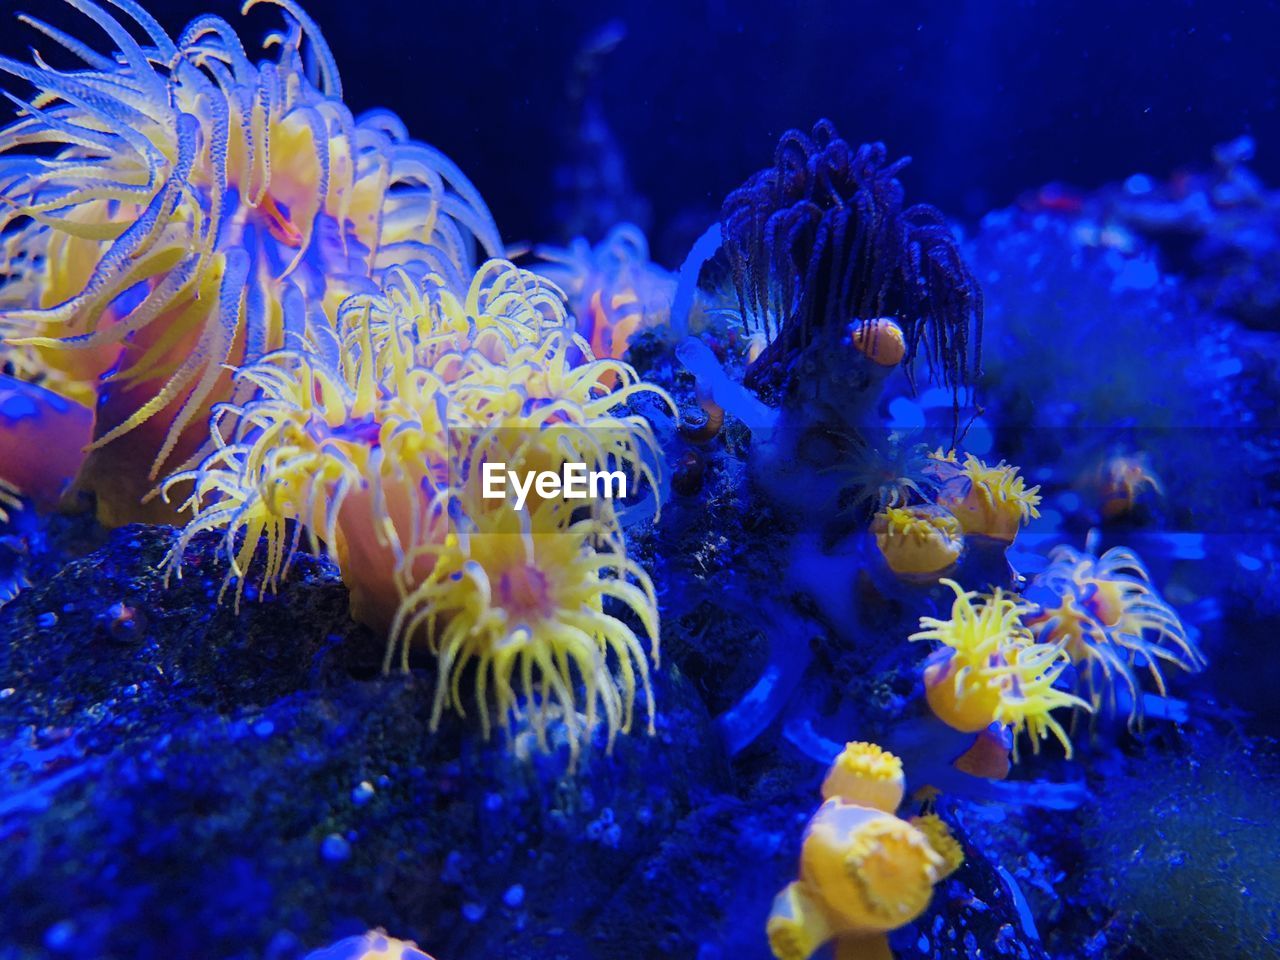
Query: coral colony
[[230, 305]]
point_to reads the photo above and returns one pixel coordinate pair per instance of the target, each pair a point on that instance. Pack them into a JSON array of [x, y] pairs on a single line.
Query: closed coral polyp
[[881, 341], [872, 869], [866, 774], [920, 541], [863, 872]]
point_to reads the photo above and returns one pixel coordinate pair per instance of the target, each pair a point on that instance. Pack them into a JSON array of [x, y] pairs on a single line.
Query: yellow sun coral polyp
[[991, 669], [873, 869], [1111, 621], [918, 542], [866, 774], [988, 501], [194, 210], [863, 870]]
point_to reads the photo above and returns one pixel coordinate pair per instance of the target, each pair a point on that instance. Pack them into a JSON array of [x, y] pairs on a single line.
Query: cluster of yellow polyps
[[863, 870], [373, 451], [923, 541]]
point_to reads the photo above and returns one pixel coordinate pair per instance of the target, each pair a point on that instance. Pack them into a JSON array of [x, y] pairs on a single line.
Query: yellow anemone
[[375, 454], [363, 475], [522, 597], [990, 669], [186, 209], [988, 501]]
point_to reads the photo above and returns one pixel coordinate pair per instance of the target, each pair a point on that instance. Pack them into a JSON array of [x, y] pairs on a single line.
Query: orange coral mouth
[[278, 223]]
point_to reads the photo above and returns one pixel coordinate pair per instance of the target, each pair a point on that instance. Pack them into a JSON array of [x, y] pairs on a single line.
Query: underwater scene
[[695, 480]]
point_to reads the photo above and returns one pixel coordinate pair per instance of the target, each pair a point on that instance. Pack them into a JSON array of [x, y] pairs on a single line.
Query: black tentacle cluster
[[822, 238]]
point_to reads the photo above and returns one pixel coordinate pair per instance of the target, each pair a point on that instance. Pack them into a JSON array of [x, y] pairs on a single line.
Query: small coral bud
[[863, 871], [701, 424], [881, 341], [988, 501], [865, 774]]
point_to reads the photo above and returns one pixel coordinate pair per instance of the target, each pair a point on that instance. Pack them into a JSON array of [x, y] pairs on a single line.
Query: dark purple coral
[[822, 238]]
